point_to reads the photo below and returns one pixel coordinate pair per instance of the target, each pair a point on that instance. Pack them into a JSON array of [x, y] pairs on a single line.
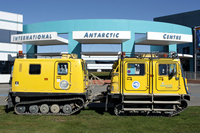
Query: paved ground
[[194, 89], [3, 93]]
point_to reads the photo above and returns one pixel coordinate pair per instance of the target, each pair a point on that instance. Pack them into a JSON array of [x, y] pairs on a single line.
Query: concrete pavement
[[194, 89], [4, 88]]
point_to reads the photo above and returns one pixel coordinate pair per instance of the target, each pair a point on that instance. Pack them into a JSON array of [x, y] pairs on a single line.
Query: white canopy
[[161, 39], [41, 39]]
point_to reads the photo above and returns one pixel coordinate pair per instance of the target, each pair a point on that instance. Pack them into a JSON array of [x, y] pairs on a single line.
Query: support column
[[173, 48], [129, 45], [74, 46], [31, 50]]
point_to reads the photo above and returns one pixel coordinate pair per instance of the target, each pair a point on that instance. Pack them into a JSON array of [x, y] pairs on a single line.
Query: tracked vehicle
[[150, 84], [56, 86]]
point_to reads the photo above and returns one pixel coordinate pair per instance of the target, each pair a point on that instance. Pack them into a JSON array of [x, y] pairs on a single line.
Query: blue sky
[[52, 10]]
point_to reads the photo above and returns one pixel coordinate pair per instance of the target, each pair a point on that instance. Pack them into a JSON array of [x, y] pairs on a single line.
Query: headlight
[[64, 84]]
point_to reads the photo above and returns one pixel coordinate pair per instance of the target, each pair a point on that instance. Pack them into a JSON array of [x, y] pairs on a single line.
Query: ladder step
[[167, 102], [137, 109], [137, 94], [141, 102], [146, 109], [164, 109], [166, 94]]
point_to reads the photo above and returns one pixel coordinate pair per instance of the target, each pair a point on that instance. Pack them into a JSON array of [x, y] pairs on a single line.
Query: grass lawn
[[91, 120], [102, 75]]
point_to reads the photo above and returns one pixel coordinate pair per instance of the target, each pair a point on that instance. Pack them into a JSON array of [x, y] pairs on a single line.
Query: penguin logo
[[136, 84]]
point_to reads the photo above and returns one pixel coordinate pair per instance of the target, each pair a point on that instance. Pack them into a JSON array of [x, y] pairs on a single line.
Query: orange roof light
[[20, 53], [123, 54], [165, 55]]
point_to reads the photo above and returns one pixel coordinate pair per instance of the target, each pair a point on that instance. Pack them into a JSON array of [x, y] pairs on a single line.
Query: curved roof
[[135, 26]]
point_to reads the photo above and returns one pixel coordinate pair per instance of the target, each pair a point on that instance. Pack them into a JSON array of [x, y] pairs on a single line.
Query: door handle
[[129, 78], [177, 78], [58, 77], [160, 78]]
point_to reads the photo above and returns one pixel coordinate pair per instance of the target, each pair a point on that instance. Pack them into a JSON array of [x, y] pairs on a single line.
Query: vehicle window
[[167, 69], [62, 68], [35, 69], [84, 67], [115, 66], [135, 69]]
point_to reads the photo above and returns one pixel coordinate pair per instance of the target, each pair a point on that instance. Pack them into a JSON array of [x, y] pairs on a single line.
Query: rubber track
[[50, 100], [171, 115], [162, 115]]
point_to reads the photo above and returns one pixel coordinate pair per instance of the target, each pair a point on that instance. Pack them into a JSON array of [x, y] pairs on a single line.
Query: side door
[[62, 78], [167, 76], [136, 77]]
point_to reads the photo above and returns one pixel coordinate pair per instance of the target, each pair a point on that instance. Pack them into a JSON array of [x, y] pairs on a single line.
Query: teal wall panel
[[129, 46], [173, 48], [74, 46]]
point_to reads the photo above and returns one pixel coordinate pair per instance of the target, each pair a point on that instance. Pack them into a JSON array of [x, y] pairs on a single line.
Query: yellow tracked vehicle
[[151, 84], [57, 86]]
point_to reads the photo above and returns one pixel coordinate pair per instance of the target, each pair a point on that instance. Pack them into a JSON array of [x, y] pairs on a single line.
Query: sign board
[[101, 36], [19, 38], [42, 39], [169, 37], [162, 39], [197, 37]]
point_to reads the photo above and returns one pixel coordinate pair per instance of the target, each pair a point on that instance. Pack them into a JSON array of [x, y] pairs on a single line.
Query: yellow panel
[[136, 77], [48, 78], [151, 81], [167, 82], [62, 79]]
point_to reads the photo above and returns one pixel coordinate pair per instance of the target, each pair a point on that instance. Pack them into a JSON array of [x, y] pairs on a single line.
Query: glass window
[[4, 36], [62, 68], [135, 69], [6, 67], [186, 50], [104, 61], [35, 69], [167, 69]]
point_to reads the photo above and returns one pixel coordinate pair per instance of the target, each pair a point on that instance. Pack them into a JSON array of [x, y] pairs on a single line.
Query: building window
[[35, 69], [104, 61], [198, 56], [62, 68], [135, 69], [198, 68], [5, 67], [186, 50], [6, 34], [198, 62]]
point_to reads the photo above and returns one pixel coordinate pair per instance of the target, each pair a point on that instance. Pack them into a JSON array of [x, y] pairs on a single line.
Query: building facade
[[88, 31], [190, 19], [112, 31], [10, 24]]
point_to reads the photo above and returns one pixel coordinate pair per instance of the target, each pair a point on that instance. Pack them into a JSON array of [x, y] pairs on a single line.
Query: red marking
[[151, 75], [45, 78], [123, 54]]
